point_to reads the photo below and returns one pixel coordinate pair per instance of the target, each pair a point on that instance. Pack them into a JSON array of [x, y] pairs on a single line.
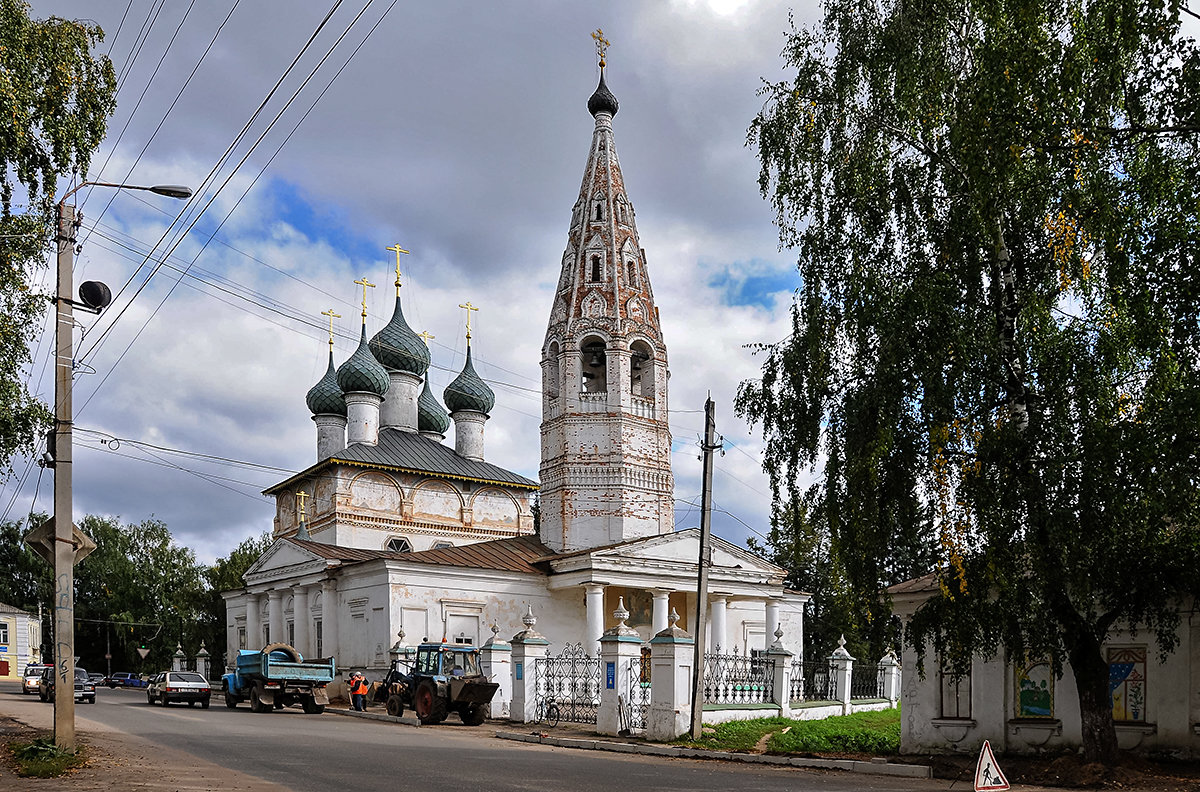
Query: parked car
[[178, 686], [96, 679], [119, 679], [84, 689], [33, 675]]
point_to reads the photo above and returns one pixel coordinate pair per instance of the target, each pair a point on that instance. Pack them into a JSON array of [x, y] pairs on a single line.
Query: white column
[[253, 621], [772, 620], [718, 637], [303, 619], [362, 417], [399, 408], [595, 618], [331, 435], [275, 616], [671, 658], [329, 622], [468, 433], [658, 619]]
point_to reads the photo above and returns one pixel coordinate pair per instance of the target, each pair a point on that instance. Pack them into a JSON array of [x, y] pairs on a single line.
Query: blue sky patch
[[753, 282]]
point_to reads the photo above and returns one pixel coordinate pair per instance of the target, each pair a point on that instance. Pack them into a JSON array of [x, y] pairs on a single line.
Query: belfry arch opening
[[641, 370], [551, 372], [593, 366]]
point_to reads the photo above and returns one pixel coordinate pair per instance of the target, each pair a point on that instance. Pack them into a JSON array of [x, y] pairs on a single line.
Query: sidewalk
[[583, 737]]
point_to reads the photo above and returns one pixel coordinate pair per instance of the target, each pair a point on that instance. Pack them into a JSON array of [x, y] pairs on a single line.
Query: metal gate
[[572, 681], [636, 698]]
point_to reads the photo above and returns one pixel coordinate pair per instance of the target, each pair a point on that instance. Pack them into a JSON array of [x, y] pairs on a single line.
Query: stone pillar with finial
[[782, 676], [620, 652], [671, 655], [528, 646], [891, 676], [202, 661], [495, 660], [178, 659], [842, 665]]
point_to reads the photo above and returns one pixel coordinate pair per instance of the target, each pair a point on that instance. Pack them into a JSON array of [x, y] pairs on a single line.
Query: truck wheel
[[257, 704], [395, 706], [475, 714], [311, 707], [430, 707], [230, 701]]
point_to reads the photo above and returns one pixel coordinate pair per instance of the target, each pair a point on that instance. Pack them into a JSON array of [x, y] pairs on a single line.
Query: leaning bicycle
[[548, 712]]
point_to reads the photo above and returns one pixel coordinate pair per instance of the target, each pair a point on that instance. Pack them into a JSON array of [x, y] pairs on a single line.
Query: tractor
[[442, 678]]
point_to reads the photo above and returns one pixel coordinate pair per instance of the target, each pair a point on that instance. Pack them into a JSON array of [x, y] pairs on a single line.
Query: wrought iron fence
[[572, 681], [738, 679], [637, 691], [866, 681], [813, 680]]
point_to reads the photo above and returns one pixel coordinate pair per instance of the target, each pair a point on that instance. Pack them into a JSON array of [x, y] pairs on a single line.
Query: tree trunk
[[1095, 703]]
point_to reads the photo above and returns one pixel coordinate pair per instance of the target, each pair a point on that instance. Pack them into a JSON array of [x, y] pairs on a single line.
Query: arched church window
[[398, 544], [598, 209], [631, 268], [641, 370], [595, 272], [551, 372], [593, 366]]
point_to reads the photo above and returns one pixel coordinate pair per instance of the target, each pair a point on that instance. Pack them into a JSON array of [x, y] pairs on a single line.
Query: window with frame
[[291, 633], [320, 638], [956, 694], [241, 638], [596, 272], [4, 633], [442, 545], [399, 544], [1127, 683], [266, 634]]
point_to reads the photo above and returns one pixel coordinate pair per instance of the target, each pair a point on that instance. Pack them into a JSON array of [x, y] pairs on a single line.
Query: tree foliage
[[995, 342], [55, 98]]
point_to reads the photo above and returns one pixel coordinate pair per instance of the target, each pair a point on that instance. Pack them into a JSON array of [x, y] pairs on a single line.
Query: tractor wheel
[[395, 706], [475, 714], [230, 701], [430, 707]]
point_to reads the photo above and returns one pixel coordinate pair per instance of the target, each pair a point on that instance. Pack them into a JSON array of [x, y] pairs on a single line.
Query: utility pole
[[709, 445]]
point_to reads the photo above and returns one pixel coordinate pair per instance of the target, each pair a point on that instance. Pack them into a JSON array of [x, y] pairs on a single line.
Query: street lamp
[[95, 296]]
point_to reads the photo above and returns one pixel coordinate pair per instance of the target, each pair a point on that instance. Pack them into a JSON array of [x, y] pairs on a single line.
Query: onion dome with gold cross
[[362, 372], [326, 397], [398, 347], [602, 101], [431, 415], [468, 391]]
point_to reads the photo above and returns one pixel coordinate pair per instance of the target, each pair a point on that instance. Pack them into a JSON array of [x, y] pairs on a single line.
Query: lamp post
[[95, 299]]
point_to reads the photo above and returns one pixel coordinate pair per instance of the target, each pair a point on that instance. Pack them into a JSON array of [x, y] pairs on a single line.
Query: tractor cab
[[447, 661]]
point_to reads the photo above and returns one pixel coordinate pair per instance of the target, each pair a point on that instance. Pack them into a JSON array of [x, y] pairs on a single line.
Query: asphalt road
[[323, 753]]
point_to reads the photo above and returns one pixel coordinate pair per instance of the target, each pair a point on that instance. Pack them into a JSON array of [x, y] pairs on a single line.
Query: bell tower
[[606, 445]]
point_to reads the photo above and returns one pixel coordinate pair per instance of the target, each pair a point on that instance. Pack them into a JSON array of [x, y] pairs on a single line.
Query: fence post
[[178, 659], [202, 658], [843, 665], [782, 677], [670, 682], [891, 677], [527, 646], [618, 647], [495, 660]]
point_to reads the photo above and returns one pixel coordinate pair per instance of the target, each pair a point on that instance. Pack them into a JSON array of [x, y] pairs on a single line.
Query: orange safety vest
[[359, 686]]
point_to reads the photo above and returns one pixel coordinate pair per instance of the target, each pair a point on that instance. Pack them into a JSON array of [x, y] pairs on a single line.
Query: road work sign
[[987, 772]]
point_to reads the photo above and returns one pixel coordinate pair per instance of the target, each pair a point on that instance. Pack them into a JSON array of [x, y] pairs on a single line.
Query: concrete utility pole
[[709, 445]]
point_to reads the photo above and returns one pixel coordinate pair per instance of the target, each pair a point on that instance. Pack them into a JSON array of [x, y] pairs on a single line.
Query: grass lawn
[[876, 733]]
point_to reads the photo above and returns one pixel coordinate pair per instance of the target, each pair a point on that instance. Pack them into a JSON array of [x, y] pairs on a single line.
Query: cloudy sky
[[459, 130]]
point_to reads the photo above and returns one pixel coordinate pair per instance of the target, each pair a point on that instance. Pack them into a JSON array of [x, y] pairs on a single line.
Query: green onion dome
[[362, 372], [468, 391], [326, 396], [431, 415], [398, 348]]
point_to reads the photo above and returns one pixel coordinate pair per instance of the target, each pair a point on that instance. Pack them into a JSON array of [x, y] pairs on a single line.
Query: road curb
[[848, 765], [364, 715]]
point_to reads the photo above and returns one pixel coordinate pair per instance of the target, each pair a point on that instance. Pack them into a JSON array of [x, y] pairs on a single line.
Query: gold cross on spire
[[468, 307], [331, 316], [602, 45], [302, 496], [428, 336], [365, 283], [396, 247]]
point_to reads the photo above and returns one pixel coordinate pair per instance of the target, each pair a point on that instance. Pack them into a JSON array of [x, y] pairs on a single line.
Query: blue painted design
[[610, 676], [520, 671]]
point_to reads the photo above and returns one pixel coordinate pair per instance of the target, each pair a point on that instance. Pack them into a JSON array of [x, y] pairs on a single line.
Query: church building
[[395, 536]]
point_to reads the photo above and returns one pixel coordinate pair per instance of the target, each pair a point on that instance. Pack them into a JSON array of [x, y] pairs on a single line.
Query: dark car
[[119, 679], [85, 690]]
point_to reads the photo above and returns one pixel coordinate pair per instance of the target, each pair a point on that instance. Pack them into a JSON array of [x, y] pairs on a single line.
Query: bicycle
[[549, 713]]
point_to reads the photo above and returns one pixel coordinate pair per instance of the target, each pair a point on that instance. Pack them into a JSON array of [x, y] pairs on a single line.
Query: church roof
[[409, 452], [398, 347], [468, 391], [515, 554], [326, 396], [362, 372], [921, 585]]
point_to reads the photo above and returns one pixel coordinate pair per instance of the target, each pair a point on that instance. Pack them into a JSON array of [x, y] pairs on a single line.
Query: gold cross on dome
[[602, 45], [468, 307], [365, 284], [331, 316], [302, 496], [396, 247], [428, 336]]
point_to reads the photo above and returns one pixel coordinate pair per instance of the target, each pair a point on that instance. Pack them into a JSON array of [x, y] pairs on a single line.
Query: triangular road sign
[[987, 772]]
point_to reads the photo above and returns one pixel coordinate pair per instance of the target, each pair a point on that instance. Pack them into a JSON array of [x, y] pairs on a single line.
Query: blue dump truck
[[278, 677]]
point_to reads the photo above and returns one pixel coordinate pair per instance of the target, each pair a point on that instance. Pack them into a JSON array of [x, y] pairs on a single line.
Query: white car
[[33, 673], [178, 686]]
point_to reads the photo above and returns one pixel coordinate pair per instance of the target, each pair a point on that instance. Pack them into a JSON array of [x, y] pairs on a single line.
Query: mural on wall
[[1127, 682], [1035, 690]]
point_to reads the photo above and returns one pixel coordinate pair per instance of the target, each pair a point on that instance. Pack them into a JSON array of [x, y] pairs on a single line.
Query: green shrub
[[43, 759], [863, 732]]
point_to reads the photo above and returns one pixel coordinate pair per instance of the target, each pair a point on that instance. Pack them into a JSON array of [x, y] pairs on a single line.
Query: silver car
[[171, 686]]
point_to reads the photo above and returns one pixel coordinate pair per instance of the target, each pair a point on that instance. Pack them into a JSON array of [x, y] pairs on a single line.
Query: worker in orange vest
[[358, 691]]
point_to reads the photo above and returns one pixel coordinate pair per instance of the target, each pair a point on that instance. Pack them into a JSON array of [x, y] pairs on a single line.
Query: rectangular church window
[[956, 694], [1127, 683]]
